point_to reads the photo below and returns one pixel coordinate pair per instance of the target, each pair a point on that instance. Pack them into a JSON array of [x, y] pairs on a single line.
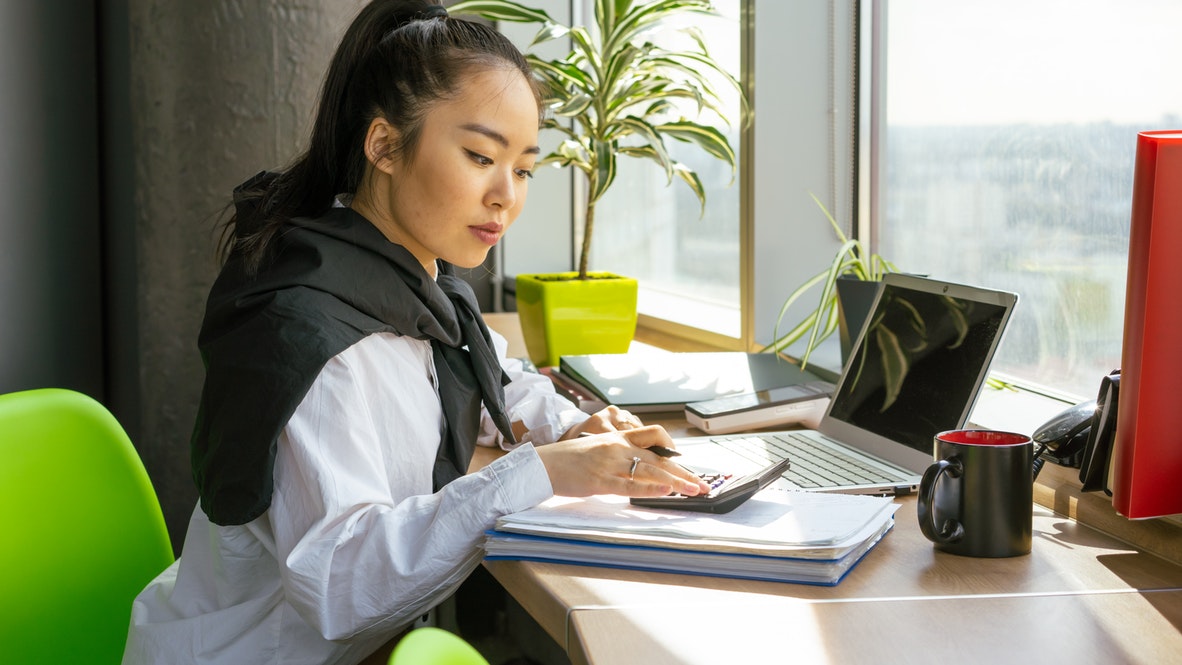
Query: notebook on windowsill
[[644, 382]]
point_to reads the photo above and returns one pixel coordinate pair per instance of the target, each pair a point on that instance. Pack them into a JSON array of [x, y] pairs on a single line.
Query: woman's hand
[[617, 462], [609, 419]]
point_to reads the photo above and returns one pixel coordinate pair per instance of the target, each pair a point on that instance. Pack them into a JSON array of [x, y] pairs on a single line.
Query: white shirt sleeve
[[531, 399], [361, 540]]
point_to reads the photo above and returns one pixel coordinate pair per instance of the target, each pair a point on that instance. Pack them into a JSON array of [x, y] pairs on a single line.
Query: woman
[[349, 374]]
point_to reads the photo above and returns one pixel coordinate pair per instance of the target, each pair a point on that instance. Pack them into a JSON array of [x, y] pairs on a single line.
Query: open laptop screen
[[921, 360]]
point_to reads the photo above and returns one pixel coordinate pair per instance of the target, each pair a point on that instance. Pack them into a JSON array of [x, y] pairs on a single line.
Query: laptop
[[916, 370]]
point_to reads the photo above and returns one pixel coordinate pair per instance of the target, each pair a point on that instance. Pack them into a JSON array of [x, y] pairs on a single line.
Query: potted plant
[[614, 94], [849, 286], [852, 267]]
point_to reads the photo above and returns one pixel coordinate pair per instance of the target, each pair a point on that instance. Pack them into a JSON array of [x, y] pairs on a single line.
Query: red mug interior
[[983, 437]]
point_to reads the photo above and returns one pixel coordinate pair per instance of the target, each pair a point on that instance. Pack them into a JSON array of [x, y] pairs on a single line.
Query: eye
[[479, 158], [524, 174]]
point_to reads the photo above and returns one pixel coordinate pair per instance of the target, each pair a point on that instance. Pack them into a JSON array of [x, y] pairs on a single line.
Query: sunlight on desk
[[1127, 627], [903, 584]]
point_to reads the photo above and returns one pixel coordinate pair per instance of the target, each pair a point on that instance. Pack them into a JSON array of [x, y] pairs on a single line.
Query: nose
[[502, 190]]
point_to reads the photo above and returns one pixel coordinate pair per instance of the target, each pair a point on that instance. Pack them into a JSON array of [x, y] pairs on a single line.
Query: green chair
[[81, 526], [434, 646]]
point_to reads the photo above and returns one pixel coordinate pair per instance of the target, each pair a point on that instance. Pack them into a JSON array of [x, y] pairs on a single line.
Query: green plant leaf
[[690, 177], [569, 153], [560, 75], [649, 90], [829, 216], [827, 306], [707, 96], [653, 138], [640, 18], [659, 107], [549, 32], [795, 334], [501, 10], [618, 70], [850, 259], [605, 162], [708, 138], [574, 106], [589, 50], [673, 59], [552, 123]]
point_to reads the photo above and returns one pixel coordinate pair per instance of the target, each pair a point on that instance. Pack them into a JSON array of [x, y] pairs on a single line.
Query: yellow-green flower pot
[[562, 315]]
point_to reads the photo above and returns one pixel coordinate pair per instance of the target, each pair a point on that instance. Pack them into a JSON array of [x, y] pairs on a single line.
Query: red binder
[[1147, 452]]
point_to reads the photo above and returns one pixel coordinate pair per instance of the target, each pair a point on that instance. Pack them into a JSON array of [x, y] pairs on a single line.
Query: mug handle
[[952, 530]]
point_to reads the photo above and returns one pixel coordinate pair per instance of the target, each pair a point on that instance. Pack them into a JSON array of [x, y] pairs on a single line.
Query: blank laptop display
[[917, 368]]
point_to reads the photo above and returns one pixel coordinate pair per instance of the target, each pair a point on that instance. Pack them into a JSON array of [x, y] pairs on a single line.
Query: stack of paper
[[784, 536]]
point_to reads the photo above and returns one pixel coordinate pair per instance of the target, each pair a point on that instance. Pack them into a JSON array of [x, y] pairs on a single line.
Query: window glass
[[687, 263], [1010, 130]]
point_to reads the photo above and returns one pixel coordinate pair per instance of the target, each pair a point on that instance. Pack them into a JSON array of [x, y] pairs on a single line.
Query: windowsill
[[714, 317], [1015, 408], [1058, 488]]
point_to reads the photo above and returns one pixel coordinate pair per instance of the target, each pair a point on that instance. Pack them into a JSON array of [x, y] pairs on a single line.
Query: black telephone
[[1062, 438], [1081, 436]]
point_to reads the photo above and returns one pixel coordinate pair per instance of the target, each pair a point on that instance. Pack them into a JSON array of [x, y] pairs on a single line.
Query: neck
[[374, 215]]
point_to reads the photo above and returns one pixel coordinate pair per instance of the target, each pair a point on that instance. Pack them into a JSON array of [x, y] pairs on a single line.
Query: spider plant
[[621, 90], [851, 259]]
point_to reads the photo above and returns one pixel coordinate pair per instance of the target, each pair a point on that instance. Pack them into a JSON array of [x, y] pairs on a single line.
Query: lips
[[488, 233]]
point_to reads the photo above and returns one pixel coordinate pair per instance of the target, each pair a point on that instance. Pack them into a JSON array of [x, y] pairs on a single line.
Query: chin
[[469, 261]]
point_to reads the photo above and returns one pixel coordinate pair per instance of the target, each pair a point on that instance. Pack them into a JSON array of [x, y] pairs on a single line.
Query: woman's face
[[467, 181]]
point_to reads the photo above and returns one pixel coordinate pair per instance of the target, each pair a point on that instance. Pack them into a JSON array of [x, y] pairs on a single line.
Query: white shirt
[[355, 545]]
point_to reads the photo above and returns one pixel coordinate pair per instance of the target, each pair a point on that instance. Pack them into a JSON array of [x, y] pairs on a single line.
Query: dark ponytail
[[397, 58]]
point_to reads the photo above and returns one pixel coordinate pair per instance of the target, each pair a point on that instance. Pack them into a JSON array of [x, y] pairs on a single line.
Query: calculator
[[726, 492]]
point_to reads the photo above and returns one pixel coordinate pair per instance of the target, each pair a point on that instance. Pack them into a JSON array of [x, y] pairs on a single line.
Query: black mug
[[978, 498]]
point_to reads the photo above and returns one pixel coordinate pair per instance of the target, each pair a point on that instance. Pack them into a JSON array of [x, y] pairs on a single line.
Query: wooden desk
[[1074, 629], [1105, 600], [901, 576], [1080, 596]]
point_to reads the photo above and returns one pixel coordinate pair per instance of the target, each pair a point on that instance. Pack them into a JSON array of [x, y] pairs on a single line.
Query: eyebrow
[[497, 136]]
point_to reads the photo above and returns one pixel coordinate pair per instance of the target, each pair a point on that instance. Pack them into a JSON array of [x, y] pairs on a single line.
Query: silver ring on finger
[[632, 471]]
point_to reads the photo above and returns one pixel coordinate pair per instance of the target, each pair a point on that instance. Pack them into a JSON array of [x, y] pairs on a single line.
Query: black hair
[[396, 60]]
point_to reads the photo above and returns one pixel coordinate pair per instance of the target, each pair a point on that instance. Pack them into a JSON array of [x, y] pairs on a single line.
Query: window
[[687, 263], [1005, 159]]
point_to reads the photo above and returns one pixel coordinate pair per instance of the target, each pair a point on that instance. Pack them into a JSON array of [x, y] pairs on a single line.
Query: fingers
[[612, 419], [647, 436], [659, 470], [609, 419], [652, 475], [622, 419], [617, 463]]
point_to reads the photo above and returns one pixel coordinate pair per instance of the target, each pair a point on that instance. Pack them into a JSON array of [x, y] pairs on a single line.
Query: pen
[[659, 451], [662, 451]]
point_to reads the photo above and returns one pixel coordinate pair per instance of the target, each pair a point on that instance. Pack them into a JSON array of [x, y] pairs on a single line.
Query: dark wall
[[51, 313]]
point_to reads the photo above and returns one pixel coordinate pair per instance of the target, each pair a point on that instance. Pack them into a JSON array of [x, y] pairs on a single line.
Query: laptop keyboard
[[813, 465]]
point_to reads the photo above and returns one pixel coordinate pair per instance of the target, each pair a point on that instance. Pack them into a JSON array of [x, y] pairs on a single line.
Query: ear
[[379, 140]]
